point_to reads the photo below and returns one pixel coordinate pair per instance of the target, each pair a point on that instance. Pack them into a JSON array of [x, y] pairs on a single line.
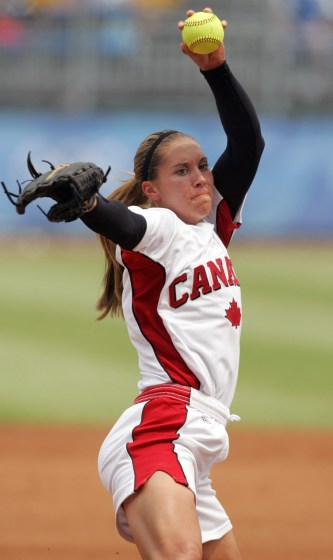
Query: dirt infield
[[276, 486]]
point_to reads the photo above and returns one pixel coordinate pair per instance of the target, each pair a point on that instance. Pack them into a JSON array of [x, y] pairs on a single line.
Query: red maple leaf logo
[[233, 314]]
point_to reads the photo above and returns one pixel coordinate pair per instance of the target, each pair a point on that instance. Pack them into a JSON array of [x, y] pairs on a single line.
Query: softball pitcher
[[165, 234]]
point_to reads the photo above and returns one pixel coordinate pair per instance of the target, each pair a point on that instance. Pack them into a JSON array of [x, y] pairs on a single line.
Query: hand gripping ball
[[203, 32]]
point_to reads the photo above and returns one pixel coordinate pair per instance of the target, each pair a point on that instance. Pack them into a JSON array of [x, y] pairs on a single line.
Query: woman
[[169, 273]]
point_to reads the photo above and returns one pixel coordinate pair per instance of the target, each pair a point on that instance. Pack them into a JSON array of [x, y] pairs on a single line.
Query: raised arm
[[234, 170], [236, 167]]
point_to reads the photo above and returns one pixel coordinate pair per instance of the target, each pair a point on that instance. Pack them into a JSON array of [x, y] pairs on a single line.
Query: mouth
[[200, 194]]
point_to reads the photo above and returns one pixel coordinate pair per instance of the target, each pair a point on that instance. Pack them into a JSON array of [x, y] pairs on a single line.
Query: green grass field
[[60, 365]]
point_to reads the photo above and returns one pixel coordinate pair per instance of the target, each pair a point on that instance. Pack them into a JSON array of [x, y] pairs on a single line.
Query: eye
[[204, 166], [182, 171]]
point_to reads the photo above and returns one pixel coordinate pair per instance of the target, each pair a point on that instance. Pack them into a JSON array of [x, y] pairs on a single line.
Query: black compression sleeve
[[234, 171], [112, 219]]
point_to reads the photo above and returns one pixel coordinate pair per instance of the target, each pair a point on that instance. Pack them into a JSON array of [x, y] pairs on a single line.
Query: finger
[[185, 49], [208, 10], [224, 23], [180, 25]]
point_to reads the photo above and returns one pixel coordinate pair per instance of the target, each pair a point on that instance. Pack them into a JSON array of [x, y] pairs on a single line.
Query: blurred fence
[[101, 55]]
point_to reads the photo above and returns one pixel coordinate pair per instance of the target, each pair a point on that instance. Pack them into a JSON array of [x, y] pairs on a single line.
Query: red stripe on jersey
[[224, 224], [152, 448], [148, 279]]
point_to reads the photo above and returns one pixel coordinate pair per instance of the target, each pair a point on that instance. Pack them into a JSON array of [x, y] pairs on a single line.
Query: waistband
[[191, 397]]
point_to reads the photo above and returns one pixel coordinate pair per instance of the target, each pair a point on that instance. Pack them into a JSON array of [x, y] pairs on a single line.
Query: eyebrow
[[204, 158]]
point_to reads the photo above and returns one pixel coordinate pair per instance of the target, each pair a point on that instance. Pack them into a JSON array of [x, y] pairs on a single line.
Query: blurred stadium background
[[87, 80]]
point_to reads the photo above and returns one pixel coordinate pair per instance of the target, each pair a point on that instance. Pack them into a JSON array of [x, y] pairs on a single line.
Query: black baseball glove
[[72, 185]]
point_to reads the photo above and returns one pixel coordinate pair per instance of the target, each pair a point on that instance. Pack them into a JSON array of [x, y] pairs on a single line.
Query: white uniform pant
[[175, 429]]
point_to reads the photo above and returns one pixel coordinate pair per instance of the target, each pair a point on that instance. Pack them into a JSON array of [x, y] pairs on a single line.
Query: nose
[[199, 179]]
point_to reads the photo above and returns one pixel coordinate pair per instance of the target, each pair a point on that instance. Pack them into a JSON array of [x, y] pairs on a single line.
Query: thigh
[[163, 520], [225, 548]]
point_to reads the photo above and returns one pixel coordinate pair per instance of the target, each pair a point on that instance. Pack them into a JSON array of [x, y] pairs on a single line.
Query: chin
[[198, 215], [205, 210]]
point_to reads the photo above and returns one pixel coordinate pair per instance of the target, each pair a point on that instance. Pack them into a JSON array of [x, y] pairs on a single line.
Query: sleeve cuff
[[216, 73]]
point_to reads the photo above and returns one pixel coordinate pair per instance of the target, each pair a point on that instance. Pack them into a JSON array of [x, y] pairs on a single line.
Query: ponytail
[[146, 161], [110, 301]]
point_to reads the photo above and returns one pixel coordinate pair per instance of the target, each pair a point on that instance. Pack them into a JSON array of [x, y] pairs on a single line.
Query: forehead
[[180, 150]]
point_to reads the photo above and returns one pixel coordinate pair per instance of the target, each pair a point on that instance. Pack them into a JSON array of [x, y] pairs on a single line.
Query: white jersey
[[182, 302]]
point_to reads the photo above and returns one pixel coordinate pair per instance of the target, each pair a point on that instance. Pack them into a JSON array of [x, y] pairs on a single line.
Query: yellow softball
[[203, 32]]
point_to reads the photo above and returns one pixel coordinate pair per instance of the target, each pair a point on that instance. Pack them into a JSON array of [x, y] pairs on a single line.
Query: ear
[[150, 190]]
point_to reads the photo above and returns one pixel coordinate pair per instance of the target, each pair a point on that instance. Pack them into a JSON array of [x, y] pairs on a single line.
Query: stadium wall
[[291, 197]]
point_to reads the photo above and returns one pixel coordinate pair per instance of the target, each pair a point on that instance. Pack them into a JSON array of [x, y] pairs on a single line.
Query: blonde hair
[[131, 194]]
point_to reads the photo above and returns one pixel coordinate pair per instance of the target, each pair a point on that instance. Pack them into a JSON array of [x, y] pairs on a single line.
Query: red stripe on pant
[[152, 448]]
